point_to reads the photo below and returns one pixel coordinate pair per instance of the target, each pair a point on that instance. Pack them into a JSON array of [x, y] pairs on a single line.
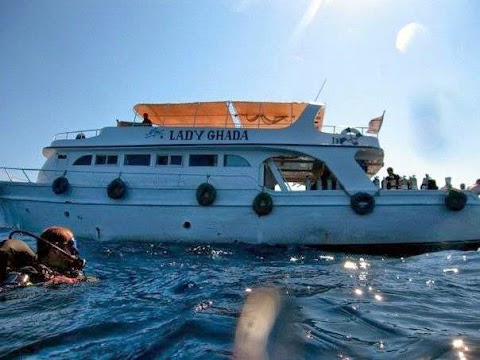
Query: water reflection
[[461, 348]]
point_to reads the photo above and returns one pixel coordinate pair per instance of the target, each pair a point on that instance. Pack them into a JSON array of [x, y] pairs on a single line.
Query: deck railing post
[[25, 174], [8, 175]]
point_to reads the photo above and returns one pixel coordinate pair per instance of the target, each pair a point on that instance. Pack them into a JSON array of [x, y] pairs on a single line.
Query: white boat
[[227, 172]]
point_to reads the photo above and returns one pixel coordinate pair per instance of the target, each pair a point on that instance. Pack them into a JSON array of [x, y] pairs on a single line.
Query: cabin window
[[106, 160], [176, 160], [61, 156], [137, 159], [163, 160], [100, 159], [83, 160], [203, 160], [235, 161], [112, 160]]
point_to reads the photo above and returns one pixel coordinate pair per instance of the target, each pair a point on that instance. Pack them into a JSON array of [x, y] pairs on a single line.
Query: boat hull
[[316, 218]]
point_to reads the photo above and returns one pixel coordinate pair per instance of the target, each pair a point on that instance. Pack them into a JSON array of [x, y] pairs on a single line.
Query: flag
[[375, 124]]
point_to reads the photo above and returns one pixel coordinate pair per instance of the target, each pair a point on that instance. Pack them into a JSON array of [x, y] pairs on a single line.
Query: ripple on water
[[179, 301]]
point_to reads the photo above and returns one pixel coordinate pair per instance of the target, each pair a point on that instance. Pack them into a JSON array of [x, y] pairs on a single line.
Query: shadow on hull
[[400, 250]]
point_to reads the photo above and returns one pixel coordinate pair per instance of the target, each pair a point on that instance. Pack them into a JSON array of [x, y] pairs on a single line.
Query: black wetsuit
[[15, 254], [393, 181]]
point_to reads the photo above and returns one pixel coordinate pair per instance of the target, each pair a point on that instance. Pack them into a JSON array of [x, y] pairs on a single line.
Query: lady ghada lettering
[[197, 135]]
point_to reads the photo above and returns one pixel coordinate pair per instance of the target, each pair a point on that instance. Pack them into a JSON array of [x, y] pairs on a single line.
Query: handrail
[[337, 129], [77, 134], [24, 173], [12, 174], [19, 174]]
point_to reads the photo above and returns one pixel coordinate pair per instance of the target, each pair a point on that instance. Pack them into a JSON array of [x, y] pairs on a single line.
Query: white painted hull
[[320, 218]]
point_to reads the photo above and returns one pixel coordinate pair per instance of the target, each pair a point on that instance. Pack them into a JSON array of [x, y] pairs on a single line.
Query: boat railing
[[337, 129], [136, 179], [21, 175], [83, 134], [77, 135]]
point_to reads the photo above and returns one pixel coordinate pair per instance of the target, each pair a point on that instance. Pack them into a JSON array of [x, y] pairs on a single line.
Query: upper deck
[[227, 114], [226, 123]]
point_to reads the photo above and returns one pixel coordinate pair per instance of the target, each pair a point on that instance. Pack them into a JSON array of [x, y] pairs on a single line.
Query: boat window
[[234, 160], [112, 160], [83, 160], [162, 159], [176, 160], [203, 160], [61, 156], [106, 159], [137, 159], [100, 159]]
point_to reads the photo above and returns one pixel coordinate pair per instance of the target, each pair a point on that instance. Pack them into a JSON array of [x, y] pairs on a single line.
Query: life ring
[[206, 194], [348, 131], [60, 185], [350, 134], [263, 204], [362, 203], [455, 200], [116, 189]]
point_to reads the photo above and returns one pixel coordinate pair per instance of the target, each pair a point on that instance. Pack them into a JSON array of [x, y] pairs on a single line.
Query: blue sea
[[164, 301]]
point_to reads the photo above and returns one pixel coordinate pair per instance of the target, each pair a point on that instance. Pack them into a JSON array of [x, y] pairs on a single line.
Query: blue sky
[[71, 65]]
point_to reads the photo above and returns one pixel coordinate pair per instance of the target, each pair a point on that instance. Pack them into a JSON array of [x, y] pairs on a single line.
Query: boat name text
[[186, 135]]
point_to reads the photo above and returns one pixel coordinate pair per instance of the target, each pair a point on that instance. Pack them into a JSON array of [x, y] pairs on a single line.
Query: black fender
[[60, 185], [206, 194], [455, 200], [263, 204], [117, 189], [362, 203]]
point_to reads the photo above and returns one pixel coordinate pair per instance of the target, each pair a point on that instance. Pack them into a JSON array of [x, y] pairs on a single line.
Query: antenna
[[321, 88]]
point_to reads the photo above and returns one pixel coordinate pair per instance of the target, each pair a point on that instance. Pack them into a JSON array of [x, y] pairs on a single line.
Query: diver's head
[[64, 239]]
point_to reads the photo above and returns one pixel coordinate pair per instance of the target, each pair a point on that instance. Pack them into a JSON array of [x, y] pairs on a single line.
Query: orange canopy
[[230, 114]]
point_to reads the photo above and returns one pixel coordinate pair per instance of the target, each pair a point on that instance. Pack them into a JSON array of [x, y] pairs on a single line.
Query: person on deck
[[146, 121], [328, 180], [392, 180], [475, 188], [56, 260]]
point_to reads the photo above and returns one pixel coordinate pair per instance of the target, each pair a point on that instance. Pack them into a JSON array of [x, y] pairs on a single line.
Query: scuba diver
[[55, 262]]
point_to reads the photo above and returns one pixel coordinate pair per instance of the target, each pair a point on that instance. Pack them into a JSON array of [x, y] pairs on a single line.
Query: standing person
[[392, 180], [146, 121], [56, 260], [448, 184], [425, 182], [329, 181], [475, 188]]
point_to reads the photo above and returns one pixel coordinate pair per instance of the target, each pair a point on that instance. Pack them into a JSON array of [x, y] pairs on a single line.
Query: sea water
[[164, 301]]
